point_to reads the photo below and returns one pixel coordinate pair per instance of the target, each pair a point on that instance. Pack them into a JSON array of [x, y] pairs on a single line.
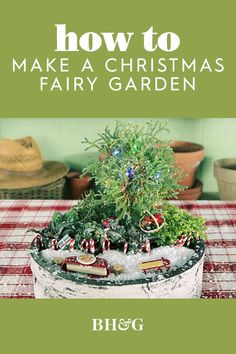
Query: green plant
[[137, 171], [128, 204]]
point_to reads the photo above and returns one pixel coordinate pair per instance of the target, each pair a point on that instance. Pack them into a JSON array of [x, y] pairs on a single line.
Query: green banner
[[128, 59], [169, 326]]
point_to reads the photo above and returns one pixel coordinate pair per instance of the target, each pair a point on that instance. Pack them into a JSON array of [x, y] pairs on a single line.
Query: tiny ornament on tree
[[130, 173], [157, 176], [116, 152], [135, 148]]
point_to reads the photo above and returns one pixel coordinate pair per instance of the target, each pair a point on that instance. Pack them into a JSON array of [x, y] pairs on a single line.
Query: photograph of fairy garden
[[124, 228], [121, 219]]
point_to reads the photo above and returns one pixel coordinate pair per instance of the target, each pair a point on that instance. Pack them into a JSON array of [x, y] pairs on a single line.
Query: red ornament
[[106, 223], [148, 220], [159, 218]]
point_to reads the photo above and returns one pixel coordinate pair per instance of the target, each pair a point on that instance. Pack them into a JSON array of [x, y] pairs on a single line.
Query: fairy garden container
[[188, 157], [225, 174], [123, 240]]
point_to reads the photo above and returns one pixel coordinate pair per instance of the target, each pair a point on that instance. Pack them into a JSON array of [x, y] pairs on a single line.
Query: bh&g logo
[[113, 324]]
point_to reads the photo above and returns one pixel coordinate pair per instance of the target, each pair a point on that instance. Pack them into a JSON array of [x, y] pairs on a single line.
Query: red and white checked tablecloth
[[17, 216]]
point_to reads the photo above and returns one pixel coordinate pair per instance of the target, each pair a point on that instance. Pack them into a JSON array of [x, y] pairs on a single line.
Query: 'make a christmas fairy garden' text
[[88, 81]]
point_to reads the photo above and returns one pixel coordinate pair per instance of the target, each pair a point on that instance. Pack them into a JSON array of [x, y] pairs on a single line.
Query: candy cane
[[106, 245], [141, 248], [36, 241], [72, 244], [84, 242], [54, 244], [148, 246], [40, 239], [125, 247], [182, 240], [91, 245]]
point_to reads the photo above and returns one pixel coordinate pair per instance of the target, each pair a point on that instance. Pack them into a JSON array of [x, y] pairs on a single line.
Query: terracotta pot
[[77, 186], [188, 156], [102, 156], [225, 173], [191, 193]]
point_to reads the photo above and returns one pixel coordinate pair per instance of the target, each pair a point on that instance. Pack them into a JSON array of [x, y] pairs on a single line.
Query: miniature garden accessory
[[157, 264], [99, 268], [117, 269]]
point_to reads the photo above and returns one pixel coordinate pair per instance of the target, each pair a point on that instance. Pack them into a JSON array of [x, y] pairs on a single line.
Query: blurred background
[[61, 139]]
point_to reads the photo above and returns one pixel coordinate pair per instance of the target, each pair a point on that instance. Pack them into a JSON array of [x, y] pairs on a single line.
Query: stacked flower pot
[[188, 156], [225, 174], [77, 186]]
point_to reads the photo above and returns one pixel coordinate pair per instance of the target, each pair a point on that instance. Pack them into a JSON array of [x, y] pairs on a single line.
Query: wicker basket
[[50, 191]]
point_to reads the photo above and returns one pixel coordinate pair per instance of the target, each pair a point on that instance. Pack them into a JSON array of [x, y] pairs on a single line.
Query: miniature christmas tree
[[127, 209]]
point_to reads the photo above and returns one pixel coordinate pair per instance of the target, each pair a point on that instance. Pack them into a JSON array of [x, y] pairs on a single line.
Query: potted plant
[[188, 157], [77, 185], [225, 173], [127, 212], [192, 193]]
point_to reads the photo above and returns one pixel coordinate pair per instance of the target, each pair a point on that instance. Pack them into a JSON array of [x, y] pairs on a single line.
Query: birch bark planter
[[225, 173], [184, 282], [188, 156]]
